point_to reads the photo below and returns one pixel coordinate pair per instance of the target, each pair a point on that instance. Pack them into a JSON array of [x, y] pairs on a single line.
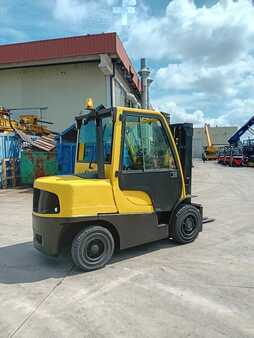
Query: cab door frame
[[157, 183]]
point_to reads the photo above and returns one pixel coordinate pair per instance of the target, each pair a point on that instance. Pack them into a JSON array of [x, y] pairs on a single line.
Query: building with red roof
[[61, 73]]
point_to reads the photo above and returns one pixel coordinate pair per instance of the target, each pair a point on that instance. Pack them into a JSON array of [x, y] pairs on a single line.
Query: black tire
[[186, 224], [92, 248]]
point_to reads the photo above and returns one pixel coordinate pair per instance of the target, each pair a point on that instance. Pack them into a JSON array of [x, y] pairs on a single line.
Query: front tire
[[187, 224], [92, 248]]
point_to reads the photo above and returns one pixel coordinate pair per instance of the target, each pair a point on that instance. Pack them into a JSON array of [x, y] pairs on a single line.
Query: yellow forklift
[[132, 185]]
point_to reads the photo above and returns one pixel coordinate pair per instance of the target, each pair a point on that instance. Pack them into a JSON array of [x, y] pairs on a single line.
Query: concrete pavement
[[204, 289]]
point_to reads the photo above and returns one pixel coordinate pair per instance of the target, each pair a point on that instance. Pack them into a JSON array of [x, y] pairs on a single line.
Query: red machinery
[[227, 156], [221, 155], [237, 158], [232, 156]]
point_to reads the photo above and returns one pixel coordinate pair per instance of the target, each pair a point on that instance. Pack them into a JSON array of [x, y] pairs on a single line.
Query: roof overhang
[[68, 50], [48, 62]]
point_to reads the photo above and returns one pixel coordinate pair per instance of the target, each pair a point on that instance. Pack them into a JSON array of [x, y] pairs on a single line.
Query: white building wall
[[198, 142], [219, 136], [61, 88]]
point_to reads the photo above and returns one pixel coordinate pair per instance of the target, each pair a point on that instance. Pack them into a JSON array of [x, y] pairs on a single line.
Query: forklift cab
[[129, 188]]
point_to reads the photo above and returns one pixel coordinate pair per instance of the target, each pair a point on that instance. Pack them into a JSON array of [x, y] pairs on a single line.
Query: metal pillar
[[144, 75]]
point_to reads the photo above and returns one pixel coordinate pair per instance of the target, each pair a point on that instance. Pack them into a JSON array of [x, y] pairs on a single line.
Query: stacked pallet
[[9, 160], [9, 173]]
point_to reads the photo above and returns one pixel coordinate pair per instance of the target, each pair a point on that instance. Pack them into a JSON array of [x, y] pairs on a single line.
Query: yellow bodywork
[[79, 196], [89, 197]]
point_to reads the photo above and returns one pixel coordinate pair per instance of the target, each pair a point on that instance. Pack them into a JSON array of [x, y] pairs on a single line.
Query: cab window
[[87, 151], [146, 146]]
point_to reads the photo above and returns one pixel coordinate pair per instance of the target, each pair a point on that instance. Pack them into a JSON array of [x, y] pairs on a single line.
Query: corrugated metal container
[[9, 146], [35, 164], [66, 153]]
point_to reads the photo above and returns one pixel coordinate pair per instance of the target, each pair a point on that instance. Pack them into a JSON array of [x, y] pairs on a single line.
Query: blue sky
[[200, 51]]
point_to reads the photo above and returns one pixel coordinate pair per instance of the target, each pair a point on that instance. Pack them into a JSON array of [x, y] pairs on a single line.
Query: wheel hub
[[95, 249], [189, 225]]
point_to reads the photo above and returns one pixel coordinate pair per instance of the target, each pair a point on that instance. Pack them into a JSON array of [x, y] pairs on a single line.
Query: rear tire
[[92, 248], [187, 224]]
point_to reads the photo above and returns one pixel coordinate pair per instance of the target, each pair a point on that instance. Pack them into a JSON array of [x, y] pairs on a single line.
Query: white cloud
[[179, 114], [9, 32], [77, 12], [71, 10], [223, 92], [234, 113], [215, 36], [214, 76], [226, 80], [239, 111]]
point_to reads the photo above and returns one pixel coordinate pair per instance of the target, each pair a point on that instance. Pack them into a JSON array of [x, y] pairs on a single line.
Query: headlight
[[45, 202]]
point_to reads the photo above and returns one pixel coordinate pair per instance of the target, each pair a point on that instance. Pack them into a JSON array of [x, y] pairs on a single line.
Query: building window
[[120, 95]]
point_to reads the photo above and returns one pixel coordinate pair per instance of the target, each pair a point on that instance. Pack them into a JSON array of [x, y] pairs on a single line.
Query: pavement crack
[[231, 286], [29, 316]]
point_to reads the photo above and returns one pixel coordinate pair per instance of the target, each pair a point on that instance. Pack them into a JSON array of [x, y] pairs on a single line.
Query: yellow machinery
[[7, 125], [211, 151], [132, 185], [29, 124]]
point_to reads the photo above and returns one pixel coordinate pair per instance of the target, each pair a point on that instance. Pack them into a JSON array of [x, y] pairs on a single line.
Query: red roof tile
[[70, 47]]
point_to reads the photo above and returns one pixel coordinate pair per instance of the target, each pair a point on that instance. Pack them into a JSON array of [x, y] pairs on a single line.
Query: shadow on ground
[[26, 190], [21, 263], [19, 189]]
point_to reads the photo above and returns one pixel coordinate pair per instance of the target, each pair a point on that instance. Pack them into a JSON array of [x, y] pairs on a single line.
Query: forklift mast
[[183, 134]]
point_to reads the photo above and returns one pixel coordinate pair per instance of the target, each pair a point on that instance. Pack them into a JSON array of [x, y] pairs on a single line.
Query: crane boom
[[209, 142], [210, 150], [235, 138]]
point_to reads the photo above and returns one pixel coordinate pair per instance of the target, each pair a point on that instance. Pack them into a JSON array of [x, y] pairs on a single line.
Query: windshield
[[87, 151]]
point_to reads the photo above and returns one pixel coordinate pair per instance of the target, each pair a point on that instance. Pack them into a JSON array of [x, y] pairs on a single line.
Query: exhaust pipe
[[146, 82]]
